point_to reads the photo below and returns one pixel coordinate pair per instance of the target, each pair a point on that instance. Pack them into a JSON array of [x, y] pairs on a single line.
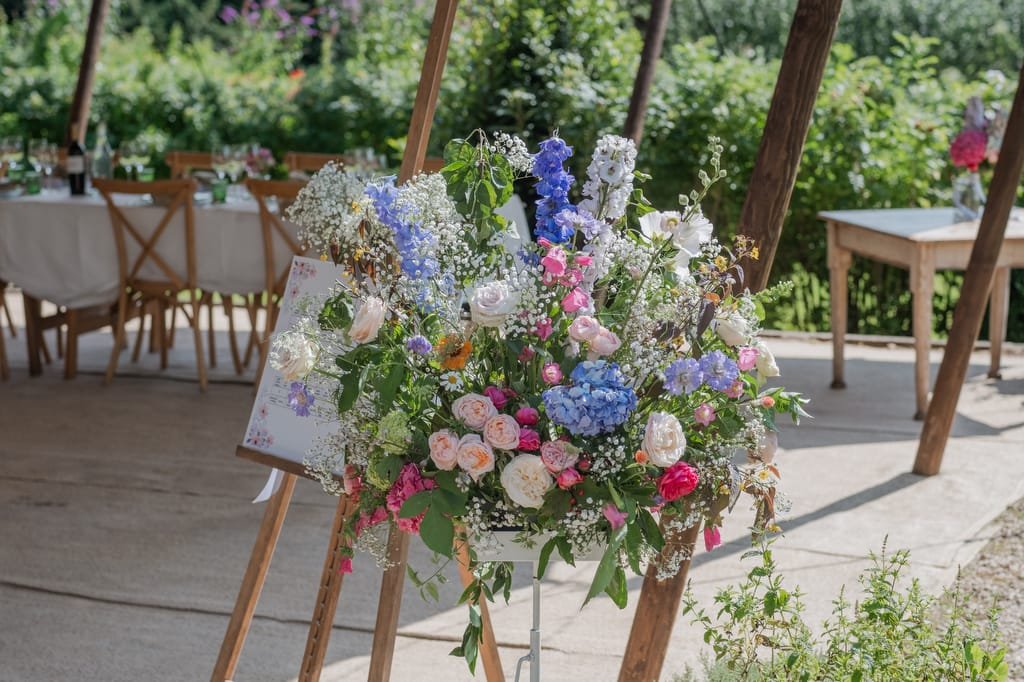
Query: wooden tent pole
[[785, 131], [82, 101], [654, 38], [977, 283], [390, 602], [771, 185]]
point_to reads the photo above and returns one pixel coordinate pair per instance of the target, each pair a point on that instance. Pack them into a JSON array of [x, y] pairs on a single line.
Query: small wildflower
[[704, 415], [451, 381]]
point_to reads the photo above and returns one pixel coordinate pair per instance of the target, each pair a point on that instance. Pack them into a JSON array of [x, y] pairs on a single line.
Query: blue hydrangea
[[719, 370], [553, 183], [683, 376], [597, 402]]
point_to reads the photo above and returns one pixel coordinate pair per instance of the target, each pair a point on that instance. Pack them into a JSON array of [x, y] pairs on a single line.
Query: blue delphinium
[[300, 399], [720, 371], [414, 243], [597, 402], [553, 183], [683, 376]]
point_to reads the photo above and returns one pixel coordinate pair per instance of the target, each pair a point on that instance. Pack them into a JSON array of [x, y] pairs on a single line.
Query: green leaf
[[387, 388], [616, 588], [605, 571], [565, 550], [415, 505], [437, 532], [545, 556]]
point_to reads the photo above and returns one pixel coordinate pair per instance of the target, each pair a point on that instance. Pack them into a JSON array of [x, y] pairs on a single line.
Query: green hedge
[[880, 134]]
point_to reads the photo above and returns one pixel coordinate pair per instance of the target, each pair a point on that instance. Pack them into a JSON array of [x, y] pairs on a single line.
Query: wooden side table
[[921, 240]]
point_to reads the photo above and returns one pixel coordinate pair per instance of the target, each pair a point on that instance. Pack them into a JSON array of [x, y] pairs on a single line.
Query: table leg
[[922, 288], [998, 313], [839, 269], [33, 333]]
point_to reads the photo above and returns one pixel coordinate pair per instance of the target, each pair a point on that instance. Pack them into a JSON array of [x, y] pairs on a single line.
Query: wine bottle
[[76, 163]]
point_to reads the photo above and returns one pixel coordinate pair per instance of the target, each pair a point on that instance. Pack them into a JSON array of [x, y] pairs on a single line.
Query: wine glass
[[44, 157], [10, 154]]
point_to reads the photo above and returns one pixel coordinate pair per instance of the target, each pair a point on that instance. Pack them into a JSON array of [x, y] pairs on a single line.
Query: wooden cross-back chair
[[5, 371], [275, 274], [148, 278], [310, 162], [182, 163]]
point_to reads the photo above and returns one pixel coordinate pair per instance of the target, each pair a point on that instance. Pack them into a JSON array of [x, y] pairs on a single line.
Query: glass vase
[[968, 197]]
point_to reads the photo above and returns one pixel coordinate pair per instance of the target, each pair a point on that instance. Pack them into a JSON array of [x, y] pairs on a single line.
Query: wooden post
[[82, 101], [390, 602], [977, 282], [252, 583], [785, 131], [654, 37], [771, 186]]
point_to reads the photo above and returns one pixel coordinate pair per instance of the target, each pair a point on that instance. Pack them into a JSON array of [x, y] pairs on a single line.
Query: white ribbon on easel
[[272, 485]]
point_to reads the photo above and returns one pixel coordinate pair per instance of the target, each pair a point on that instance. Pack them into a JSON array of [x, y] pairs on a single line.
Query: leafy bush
[[894, 632]]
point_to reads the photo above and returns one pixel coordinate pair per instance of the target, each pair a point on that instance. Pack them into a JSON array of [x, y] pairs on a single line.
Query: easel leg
[[326, 600], [388, 607], [999, 311], [252, 583], [489, 646]]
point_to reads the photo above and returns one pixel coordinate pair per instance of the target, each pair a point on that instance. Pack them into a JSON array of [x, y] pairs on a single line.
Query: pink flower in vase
[[712, 537], [747, 359], [575, 300], [704, 415]]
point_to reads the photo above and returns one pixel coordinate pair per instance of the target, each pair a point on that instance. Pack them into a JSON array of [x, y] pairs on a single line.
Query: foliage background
[[340, 74]]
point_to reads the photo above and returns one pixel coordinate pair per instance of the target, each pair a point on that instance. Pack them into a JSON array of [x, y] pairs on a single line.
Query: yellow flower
[[323, 257], [755, 253], [721, 263]]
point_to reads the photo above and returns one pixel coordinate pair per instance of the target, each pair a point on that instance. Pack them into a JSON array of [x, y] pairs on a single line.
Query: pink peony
[[712, 537], [554, 261], [679, 480], [747, 358], [968, 149], [704, 415], [614, 516], [575, 300], [497, 396], [551, 373], [568, 478], [529, 440], [527, 416], [558, 455]]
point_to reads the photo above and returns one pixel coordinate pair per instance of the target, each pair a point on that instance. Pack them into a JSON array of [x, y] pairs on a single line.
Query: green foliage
[[894, 632]]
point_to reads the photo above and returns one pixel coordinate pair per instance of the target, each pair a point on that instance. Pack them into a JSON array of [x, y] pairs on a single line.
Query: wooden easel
[[390, 601]]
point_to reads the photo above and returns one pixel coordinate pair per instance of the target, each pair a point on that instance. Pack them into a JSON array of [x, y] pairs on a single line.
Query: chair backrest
[[174, 196], [182, 163], [271, 224], [433, 164], [310, 162]]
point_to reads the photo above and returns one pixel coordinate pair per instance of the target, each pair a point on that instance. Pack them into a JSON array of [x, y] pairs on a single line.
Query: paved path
[[125, 526]]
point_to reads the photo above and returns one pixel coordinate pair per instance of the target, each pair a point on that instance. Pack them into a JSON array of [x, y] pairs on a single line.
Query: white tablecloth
[[61, 248]]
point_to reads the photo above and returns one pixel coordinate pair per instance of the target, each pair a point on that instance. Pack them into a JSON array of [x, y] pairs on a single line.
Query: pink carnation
[[968, 149], [408, 483], [529, 440], [679, 480]]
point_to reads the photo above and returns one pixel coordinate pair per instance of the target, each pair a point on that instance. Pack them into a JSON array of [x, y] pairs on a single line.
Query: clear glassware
[[968, 196]]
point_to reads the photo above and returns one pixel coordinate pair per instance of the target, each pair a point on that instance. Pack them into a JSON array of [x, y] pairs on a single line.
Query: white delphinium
[[609, 178], [330, 208], [514, 150]]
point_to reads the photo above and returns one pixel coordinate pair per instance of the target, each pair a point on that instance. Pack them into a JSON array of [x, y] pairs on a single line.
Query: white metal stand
[[534, 656]]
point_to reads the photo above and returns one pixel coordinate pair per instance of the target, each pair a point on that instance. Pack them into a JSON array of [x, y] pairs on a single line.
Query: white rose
[[664, 441], [584, 328], [658, 225], [690, 235], [367, 321], [733, 330], [526, 480], [293, 355], [491, 303], [604, 343], [474, 410], [766, 365]]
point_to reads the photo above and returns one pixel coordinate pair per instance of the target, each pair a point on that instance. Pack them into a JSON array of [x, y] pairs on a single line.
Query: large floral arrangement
[[980, 138], [577, 385]]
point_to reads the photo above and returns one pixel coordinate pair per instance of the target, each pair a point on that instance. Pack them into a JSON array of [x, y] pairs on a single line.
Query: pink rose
[[582, 260], [554, 261], [704, 415], [502, 432], [558, 455], [712, 537], [497, 396], [571, 278], [584, 328], [551, 373], [345, 565], [568, 478], [444, 449], [529, 440], [734, 391], [543, 329], [614, 516], [473, 410], [747, 359], [577, 299], [527, 416], [604, 343], [679, 480], [475, 457]]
